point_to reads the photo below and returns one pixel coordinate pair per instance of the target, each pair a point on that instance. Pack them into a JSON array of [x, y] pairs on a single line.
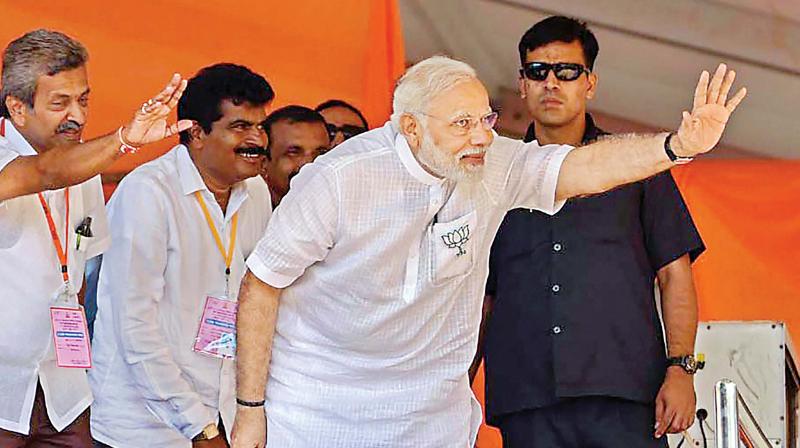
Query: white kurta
[[30, 275], [151, 389], [384, 268]]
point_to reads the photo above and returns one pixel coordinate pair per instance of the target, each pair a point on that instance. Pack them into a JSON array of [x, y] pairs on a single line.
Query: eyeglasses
[[347, 130], [564, 71], [463, 125]]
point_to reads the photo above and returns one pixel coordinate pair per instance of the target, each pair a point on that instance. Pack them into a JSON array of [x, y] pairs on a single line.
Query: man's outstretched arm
[[72, 164], [616, 161], [255, 328]]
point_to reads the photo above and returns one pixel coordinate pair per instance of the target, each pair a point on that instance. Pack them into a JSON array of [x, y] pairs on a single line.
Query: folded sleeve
[[302, 229]]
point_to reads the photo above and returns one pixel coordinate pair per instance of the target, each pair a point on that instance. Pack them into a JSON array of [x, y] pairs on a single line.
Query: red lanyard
[[62, 253]]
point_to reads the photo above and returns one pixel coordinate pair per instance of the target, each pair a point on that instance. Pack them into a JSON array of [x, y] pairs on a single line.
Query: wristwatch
[[689, 363], [209, 432], [674, 158]]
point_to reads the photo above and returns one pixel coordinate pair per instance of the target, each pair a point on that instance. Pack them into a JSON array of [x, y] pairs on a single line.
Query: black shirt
[[574, 311]]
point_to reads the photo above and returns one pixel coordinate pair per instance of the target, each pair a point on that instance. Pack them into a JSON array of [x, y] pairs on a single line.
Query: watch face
[[690, 364]]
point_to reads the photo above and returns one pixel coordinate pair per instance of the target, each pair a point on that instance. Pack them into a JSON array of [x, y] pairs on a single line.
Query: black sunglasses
[[564, 71], [346, 130]]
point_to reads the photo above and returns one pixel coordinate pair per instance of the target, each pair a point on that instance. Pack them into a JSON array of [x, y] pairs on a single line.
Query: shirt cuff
[[267, 275], [198, 417]]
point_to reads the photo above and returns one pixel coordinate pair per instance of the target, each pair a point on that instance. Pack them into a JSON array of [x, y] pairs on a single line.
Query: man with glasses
[[343, 120], [574, 351], [378, 257], [296, 136]]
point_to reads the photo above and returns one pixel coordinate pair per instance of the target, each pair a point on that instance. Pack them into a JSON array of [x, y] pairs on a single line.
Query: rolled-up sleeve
[[302, 229], [132, 279], [533, 174]]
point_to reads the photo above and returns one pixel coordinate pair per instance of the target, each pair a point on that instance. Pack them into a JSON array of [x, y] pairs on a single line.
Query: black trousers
[[584, 422]]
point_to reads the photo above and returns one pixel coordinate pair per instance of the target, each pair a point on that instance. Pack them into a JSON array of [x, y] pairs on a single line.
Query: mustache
[[68, 126], [551, 97], [253, 150]]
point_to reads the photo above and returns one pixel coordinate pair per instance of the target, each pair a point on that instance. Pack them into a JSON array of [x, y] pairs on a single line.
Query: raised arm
[[255, 327], [73, 164], [620, 160]]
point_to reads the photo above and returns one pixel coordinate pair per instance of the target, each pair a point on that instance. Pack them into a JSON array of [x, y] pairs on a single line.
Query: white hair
[[424, 80]]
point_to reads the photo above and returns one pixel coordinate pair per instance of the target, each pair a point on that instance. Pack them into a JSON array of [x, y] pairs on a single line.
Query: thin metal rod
[[727, 424]]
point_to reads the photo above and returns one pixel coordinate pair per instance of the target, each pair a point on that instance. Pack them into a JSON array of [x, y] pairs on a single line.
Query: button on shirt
[[30, 276], [574, 312], [152, 389], [384, 268]]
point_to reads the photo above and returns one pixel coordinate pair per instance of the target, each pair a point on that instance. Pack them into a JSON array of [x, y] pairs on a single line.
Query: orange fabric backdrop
[[310, 50], [748, 213]]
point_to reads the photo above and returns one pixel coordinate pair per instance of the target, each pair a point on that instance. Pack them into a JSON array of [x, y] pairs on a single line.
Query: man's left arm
[[675, 402], [619, 160]]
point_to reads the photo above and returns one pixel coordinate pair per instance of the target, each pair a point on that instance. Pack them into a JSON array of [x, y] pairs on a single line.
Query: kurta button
[[556, 288], [556, 330], [557, 247]]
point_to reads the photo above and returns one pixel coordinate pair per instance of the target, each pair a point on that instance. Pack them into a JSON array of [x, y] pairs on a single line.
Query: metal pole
[[727, 424]]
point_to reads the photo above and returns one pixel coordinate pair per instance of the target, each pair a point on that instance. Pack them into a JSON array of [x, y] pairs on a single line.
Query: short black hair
[[339, 103], [559, 29], [291, 114], [214, 84]]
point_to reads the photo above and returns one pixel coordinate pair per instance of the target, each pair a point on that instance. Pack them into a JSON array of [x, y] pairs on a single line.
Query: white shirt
[[378, 321], [151, 389], [30, 275]]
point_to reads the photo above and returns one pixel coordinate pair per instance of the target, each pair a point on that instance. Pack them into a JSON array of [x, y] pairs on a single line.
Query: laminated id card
[[70, 337], [217, 333]]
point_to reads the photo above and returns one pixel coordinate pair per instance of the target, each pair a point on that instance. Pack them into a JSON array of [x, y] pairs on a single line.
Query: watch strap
[[674, 158]]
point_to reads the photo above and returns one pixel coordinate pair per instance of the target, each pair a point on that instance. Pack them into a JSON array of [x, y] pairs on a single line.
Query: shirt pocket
[[452, 248]]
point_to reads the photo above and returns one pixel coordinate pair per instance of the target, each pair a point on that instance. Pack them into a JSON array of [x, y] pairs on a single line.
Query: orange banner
[[310, 51]]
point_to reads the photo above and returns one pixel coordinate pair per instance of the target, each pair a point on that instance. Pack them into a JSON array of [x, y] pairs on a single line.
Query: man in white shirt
[[181, 226], [379, 256], [46, 234]]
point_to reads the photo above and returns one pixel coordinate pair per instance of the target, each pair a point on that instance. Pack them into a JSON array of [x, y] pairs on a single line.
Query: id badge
[[217, 333], [70, 337]]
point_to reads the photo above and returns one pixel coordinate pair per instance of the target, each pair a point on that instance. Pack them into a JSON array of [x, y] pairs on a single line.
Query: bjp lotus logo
[[457, 239]]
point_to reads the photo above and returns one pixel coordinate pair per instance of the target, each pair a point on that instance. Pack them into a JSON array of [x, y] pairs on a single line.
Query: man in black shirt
[[574, 351]]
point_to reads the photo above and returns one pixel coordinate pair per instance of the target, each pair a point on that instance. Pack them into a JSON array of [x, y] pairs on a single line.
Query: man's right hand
[[149, 123], [249, 428]]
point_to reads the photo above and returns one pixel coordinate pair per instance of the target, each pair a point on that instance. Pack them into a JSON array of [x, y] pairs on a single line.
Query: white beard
[[449, 166]]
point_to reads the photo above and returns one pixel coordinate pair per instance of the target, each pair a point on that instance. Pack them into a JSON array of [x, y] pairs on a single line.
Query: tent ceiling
[[651, 52]]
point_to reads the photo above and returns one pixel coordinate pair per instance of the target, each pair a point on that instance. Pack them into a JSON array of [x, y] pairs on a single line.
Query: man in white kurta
[[378, 259], [350, 331]]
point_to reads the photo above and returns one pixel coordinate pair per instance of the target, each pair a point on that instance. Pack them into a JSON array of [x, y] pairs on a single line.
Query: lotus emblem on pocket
[[457, 239]]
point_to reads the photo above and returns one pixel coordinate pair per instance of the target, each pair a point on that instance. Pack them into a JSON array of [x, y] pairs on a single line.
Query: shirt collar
[[190, 178], [191, 181], [591, 133], [412, 164], [17, 141]]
